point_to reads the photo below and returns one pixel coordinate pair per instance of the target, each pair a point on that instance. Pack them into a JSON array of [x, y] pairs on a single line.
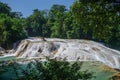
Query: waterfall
[[69, 49]]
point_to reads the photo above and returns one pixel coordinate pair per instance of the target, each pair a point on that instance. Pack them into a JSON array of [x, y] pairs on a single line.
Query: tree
[[11, 30], [5, 26], [57, 16], [11, 26], [54, 9], [16, 14], [46, 28], [98, 19], [35, 23], [4, 8]]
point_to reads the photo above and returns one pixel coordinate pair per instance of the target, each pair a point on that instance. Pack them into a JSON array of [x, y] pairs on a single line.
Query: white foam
[[71, 49]]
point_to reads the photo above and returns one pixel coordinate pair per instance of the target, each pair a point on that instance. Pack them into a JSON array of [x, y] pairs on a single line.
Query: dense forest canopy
[[87, 19]]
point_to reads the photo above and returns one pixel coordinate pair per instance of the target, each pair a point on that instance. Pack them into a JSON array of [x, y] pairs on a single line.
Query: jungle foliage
[[86, 19]]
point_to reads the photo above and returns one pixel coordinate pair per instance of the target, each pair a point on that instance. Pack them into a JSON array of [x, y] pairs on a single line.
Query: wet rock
[[1, 49], [115, 77], [71, 49], [40, 50]]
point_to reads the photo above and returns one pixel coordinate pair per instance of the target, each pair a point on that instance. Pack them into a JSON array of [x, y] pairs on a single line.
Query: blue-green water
[[7, 69], [7, 58]]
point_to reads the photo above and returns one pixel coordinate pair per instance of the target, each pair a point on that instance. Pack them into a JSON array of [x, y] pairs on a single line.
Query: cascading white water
[[69, 49]]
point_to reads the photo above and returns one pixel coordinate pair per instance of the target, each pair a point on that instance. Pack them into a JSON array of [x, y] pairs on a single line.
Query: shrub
[[54, 70]]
